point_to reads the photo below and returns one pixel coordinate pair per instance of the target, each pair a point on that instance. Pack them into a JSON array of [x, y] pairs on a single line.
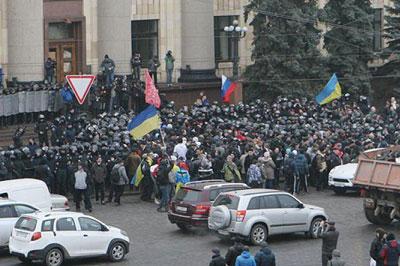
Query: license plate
[[181, 209], [21, 234]]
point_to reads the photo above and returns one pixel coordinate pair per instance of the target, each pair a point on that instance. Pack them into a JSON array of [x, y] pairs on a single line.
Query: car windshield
[[26, 223], [229, 201], [185, 194]]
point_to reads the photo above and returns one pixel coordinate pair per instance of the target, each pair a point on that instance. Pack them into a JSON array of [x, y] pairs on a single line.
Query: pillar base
[[191, 75]]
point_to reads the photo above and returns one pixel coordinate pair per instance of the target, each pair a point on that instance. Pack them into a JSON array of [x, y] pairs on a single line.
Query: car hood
[[313, 207], [346, 171]]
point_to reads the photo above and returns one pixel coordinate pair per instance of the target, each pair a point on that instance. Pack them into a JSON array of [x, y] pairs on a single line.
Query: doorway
[[64, 54]]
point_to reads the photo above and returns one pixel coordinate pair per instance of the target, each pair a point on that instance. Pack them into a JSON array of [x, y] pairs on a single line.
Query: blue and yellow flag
[[331, 91], [144, 123]]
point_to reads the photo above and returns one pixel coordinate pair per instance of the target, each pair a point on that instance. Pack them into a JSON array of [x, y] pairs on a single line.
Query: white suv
[[256, 213], [53, 237]]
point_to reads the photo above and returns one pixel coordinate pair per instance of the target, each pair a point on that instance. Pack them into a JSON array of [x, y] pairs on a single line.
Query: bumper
[[60, 209], [187, 220], [235, 229], [37, 255], [347, 185]]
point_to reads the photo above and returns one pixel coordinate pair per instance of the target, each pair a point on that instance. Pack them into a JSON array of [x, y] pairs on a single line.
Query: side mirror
[[300, 206]]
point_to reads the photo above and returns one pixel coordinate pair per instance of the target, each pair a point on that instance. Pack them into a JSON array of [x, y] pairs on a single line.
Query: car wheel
[[25, 260], [117, 252], [54, 257], [183, 227], [314, 227], [258, 234]]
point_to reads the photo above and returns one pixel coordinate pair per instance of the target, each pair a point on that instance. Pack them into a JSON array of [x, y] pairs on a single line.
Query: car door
[[8, 218], [294, 214], [272, 212], [95, 236], [68, 236]]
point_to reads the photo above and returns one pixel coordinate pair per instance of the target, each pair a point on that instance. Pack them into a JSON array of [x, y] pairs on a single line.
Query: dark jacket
[[301, 164], [265, 257], [163, 171], [217, 260], [390, 253], [374, 251], [99, 173], [329, 240], [233, 253]]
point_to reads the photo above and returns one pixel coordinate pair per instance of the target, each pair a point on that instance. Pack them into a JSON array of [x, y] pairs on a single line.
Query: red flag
[[151, 92]]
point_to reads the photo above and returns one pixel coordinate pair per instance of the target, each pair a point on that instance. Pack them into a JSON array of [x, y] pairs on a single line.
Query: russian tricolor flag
[[226, 89]]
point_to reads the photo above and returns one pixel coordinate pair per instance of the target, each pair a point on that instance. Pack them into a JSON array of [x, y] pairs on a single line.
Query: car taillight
[[202, 209], [240, 215], [66, 203], [36, 236]]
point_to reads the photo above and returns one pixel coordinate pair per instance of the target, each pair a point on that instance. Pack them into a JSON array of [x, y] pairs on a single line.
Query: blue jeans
[[169, 76], [269, 183], [165, 191], [109, 79]]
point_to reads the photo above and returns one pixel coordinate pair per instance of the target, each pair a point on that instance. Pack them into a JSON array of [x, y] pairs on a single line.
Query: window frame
[[62, 218], [272, 196], [87, 218], [288, 196], [12, 209], [19, 204], [145, 36], [219, 34]]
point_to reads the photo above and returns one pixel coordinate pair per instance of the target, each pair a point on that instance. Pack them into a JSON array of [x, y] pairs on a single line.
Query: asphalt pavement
[[156, 242]]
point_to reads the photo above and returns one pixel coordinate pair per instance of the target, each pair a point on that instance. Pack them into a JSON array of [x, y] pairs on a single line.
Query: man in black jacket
[[217, 259], [377, 245], [234, 252], [163, 181], [329, 235], [265, 257]]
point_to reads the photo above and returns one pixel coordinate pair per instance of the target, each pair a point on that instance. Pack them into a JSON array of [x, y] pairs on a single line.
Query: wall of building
[[3, 38]]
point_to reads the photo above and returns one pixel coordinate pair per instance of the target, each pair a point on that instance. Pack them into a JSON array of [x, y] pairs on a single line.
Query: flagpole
[[162, 138]]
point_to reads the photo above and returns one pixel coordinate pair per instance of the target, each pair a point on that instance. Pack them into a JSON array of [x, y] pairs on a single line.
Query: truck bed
[[381, 174]]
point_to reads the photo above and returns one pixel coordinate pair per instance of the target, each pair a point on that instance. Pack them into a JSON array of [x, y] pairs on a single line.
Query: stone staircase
[[7, 133]]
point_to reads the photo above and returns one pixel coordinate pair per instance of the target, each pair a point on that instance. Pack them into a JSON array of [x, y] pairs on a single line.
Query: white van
[[33, 192]]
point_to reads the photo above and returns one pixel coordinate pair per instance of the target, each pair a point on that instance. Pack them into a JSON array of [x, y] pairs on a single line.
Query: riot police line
[[23, 103]]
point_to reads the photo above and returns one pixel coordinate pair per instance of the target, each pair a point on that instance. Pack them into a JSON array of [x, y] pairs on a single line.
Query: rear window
[[229, 201], [26, 223], [185, 194]]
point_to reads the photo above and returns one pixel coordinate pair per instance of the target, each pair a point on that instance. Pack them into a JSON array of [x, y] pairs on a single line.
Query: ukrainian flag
[[331, 91], [144, 123]]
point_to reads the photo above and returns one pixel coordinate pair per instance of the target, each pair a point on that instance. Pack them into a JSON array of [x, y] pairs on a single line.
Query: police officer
[[42, 128]]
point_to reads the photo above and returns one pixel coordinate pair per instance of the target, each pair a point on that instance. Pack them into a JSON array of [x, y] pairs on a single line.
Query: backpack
[[115, 175]]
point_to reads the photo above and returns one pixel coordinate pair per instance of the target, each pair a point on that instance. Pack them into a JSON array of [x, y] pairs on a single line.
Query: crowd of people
[[290, 143]]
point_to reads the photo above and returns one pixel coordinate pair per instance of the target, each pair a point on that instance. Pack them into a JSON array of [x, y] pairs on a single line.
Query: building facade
[[77, 34]]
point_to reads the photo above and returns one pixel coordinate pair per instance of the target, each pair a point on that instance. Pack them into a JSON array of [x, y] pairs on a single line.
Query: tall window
[[378, 40], [222, 42], [145, 39]]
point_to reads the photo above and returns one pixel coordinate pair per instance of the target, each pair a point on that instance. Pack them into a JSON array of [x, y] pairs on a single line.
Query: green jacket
[[231, 173]]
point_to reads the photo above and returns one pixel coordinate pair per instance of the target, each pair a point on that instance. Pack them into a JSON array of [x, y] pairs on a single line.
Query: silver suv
[[257, 213]]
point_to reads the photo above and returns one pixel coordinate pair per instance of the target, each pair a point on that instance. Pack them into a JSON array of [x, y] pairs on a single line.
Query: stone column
[[25, 40], [114, 33], [198, 58]]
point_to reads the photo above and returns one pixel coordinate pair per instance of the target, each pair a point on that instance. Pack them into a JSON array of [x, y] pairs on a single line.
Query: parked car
[[52, 237], [10, 211], [192, 202], [255, 214], [341, 178], [34, 192]]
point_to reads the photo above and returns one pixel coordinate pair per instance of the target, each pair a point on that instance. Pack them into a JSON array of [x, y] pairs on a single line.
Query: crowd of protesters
[[289, 143]]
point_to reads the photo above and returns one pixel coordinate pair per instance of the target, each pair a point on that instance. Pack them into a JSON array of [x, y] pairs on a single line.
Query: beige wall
[[3, 38]]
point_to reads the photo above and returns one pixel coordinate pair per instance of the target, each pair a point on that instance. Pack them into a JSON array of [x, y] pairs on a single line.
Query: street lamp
[[237, 33]]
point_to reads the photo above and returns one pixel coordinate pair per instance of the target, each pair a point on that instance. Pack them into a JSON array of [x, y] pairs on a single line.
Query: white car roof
[[18, 183], [48, 215], [253, 191]]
